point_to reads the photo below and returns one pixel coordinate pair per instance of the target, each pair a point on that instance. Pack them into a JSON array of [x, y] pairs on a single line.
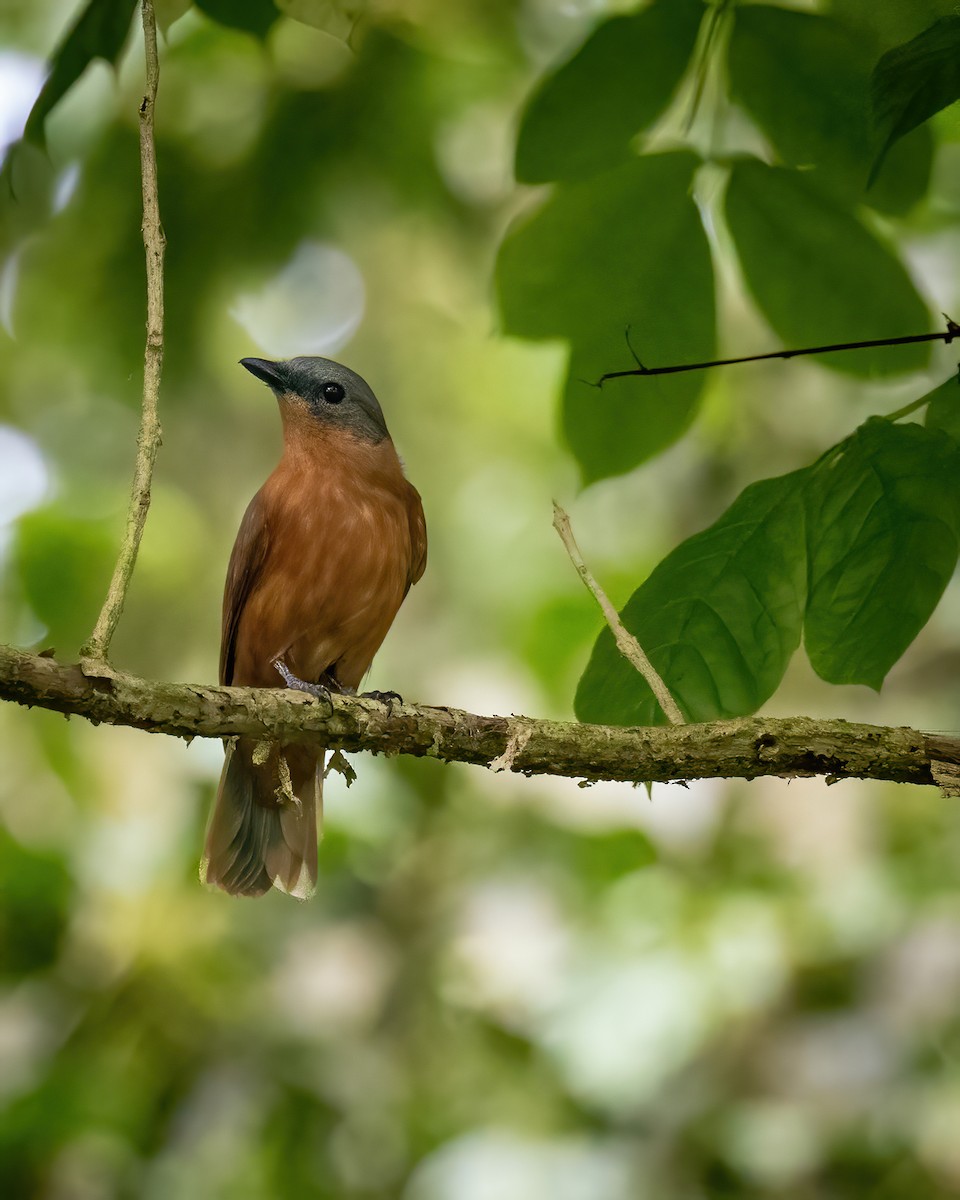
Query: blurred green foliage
[[504, 988], [99, 32], [578, 265], [583, 117], [814, 268]]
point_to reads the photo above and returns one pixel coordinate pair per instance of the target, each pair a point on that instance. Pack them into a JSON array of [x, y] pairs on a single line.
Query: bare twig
[[742, 749], [627, 644], [952, 331], [95, 651]]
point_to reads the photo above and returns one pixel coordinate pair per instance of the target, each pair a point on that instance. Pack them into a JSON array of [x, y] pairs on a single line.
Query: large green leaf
[[719, 618], [99, 32], [252, 16], [943, 408], [581, 117], [913, 81], [823, 69], [623, 249], [818, 275], [883, 520]]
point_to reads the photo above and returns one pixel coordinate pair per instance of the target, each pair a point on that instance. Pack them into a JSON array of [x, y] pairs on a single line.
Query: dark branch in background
[[947, 336], [95, 651], [744, 749]]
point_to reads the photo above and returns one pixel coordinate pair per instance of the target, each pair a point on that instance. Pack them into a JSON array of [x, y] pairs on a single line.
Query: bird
[[326, 552]]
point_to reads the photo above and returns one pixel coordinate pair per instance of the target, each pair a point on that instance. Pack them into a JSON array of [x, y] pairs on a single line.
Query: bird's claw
[[317, 690], [387, 698]]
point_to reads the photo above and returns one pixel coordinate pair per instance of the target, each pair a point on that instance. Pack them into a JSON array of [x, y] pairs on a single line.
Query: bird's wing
[[246, 564], [418, 535]]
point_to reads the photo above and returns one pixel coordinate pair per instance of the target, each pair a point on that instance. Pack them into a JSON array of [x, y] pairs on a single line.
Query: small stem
[[907, 409], [952, 331], [97, 647], [912, 406], [627, 644]]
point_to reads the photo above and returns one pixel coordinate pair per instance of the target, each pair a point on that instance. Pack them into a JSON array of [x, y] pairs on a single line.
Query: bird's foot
[[318, 690], [387, 698]]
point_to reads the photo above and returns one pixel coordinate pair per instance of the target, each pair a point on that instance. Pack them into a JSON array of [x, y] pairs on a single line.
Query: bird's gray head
[[332, 393]]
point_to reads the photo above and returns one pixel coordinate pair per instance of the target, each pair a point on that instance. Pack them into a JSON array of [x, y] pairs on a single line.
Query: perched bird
[[326, 552]]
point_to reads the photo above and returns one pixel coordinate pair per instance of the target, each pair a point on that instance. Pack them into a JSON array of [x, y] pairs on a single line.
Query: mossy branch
[[744, 749]]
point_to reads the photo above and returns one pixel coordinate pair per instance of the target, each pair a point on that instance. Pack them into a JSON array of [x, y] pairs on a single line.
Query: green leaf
[[581, 117], [883, 520], [943, 408], [252, 16], [823, 68], [623, 249], [818, 275], [99, 32], [913, 81], [719, 618], [904, 177]]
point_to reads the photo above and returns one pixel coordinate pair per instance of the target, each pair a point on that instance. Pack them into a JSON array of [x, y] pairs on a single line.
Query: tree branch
[[744, 749], [95, 650]]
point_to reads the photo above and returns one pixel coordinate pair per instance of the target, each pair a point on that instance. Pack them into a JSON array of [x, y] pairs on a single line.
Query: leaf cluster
[[853, 552], [651, 193]]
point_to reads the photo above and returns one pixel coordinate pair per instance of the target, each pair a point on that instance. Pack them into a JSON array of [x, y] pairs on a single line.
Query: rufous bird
[[326, 552]]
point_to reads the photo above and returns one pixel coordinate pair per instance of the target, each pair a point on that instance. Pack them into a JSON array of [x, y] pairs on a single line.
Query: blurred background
[[504, 989]]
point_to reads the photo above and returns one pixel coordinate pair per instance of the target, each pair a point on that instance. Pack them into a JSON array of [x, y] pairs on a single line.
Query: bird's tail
[[263, 832]]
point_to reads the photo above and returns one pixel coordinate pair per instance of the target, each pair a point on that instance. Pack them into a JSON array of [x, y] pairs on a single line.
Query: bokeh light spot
[[313, 306], [24, 477], [21, 78]]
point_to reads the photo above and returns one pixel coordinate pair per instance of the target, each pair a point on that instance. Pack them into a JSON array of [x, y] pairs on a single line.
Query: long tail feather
[[257, 839]]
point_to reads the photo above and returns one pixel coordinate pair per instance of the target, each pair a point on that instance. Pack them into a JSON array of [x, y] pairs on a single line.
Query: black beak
[[268, 371]]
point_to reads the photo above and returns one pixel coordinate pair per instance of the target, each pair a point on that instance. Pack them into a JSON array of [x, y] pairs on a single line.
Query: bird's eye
[[333, 393]]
